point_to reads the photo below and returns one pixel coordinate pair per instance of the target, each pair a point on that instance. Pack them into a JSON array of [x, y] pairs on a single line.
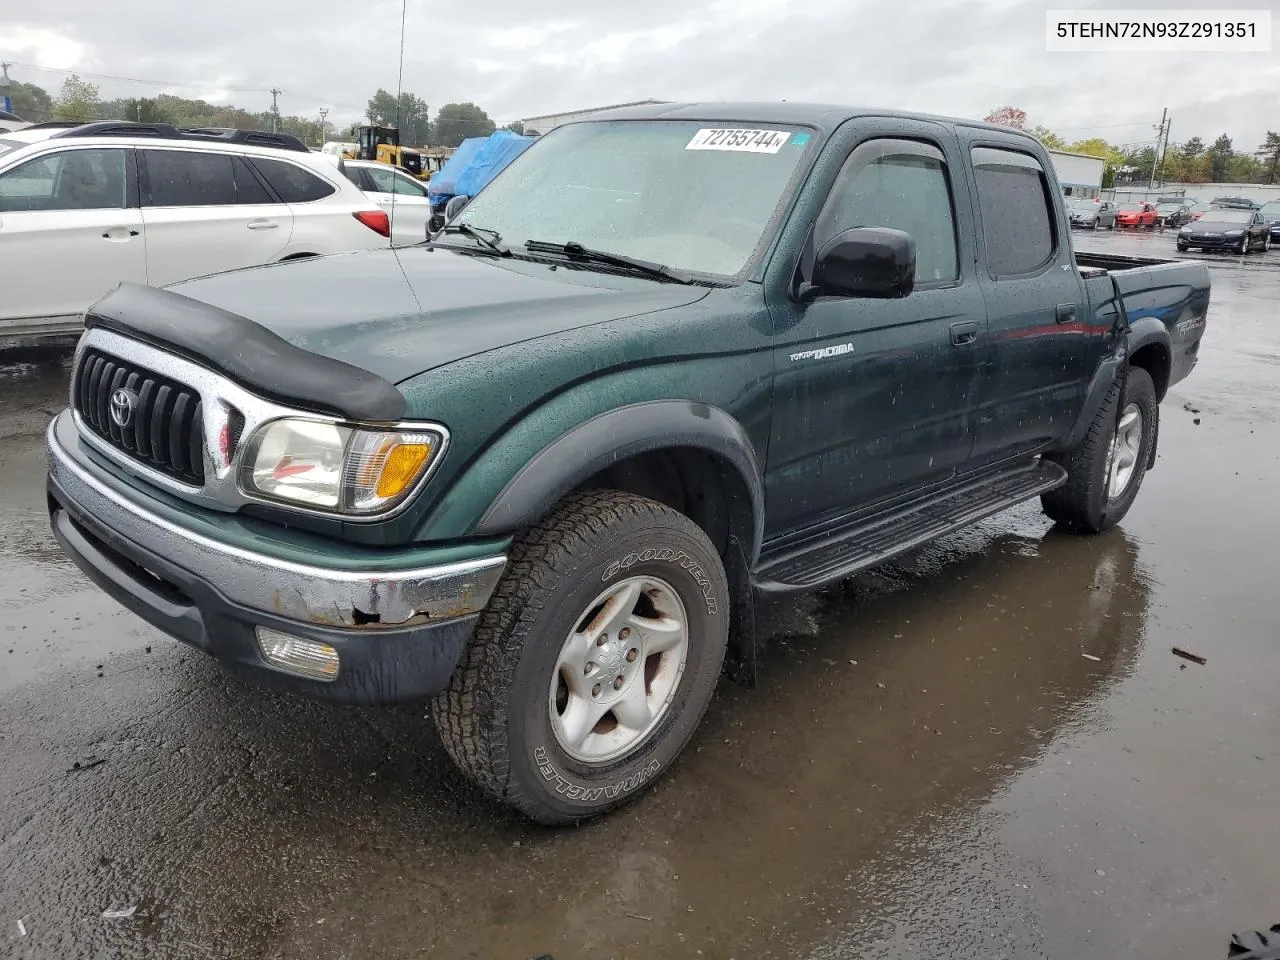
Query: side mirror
[[866, 262], [454, 207]]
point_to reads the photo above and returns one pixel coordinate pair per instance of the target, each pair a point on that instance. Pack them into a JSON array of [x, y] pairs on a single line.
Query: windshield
[[1075, 203], [1272, 209], [686, 194], [1230, 216], [1131, 206], [1169, 207]]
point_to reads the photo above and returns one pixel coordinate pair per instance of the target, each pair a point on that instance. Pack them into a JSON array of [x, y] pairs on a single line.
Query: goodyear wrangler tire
[[594, 661]]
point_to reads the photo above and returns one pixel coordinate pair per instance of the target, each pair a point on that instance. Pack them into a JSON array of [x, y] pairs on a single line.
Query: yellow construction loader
[[382, 144]]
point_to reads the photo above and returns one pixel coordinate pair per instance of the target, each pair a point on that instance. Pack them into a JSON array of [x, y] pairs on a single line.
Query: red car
[[1135, 214]]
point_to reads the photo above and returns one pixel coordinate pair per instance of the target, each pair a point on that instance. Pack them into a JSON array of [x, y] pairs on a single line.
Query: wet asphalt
[[984, 750]]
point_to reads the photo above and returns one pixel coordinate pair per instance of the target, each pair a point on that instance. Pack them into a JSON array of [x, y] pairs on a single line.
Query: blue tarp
[[476, 161]]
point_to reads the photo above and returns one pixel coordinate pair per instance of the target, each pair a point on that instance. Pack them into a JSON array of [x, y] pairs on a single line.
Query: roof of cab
[[824, 116]]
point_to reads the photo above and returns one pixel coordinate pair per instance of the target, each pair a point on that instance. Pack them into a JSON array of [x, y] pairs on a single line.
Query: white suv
[[83, 207]]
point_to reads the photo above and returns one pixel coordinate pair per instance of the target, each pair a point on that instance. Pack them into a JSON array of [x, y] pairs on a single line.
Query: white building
[[549, 121], [1079, 174]]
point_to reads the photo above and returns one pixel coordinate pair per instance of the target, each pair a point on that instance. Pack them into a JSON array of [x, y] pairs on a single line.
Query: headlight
[[335, 467], [1233, 233], [1186, 229]]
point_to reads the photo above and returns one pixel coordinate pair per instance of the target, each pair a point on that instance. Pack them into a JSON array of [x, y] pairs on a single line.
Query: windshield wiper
[[578, 252], [490, 239]]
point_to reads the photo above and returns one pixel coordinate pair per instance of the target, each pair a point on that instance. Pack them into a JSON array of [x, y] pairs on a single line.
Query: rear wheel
[[594, 662], [1106, 470]]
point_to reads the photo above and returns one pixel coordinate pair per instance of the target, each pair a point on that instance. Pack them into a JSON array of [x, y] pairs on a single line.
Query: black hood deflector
[[247, 353]]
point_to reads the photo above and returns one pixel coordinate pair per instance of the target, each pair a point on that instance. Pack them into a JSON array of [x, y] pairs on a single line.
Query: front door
[[70, 230], [1037, 309], [873, 398]]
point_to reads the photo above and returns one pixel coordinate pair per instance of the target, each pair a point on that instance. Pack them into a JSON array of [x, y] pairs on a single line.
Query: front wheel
[[1244, 245], [594, 662], [1183, 248], [1105, 471]]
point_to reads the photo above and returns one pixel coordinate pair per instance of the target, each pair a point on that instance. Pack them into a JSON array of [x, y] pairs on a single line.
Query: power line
[[238, 88]]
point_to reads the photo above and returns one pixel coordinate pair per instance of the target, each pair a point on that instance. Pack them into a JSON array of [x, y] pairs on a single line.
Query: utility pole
[[275, 110], [1160, 137], [5, 102], [324, 112]]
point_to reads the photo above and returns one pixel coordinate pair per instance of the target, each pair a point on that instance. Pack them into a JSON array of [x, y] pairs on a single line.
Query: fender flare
[[1146, 332], [611, 437]]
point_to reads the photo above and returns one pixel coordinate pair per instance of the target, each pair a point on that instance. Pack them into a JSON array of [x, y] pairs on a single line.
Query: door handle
[[262, 224], [964, 332], [115, 234], [1066, 312]]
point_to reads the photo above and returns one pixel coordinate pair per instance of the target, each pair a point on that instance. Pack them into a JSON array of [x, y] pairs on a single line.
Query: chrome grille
[[166, 428]]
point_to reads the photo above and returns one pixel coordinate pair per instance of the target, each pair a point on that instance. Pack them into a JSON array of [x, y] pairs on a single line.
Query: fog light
[[297, 655]]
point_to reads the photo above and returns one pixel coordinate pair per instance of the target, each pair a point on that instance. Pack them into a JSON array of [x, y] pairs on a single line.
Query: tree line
[[80, 100], [1191, 161]]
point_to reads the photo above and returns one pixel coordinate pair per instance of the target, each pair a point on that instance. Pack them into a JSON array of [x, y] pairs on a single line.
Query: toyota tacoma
[[540, 468]]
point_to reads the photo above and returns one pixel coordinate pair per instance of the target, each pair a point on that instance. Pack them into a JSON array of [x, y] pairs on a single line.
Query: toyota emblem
[[122, 406]]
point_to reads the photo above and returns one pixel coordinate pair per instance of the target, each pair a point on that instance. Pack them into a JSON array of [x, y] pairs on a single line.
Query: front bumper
[[1192, 240], [398, 632]]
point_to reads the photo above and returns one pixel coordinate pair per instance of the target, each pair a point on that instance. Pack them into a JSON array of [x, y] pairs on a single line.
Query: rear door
[[873, 398], [1035, 356], [70, 230], [206, 212], [322, 222]]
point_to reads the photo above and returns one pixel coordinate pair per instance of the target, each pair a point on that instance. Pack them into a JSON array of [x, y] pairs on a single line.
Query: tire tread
[[470, 720]]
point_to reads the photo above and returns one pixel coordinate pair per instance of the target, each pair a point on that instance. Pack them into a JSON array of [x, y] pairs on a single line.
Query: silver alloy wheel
[[1122, 458], [619, 670], [1244, 244]]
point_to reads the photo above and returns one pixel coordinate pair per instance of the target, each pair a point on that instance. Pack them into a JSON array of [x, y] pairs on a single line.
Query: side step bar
[[841, 553]]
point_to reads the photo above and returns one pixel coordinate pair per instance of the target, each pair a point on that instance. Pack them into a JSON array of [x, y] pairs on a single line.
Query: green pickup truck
[[540, 468]]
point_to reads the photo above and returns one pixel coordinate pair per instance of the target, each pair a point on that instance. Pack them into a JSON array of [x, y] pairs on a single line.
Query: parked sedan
[[1236, 203], [1200, 209], [402, 196], [1174, 213], [1136, 214], [1226, 229], [1271, 214], [1092, 214]]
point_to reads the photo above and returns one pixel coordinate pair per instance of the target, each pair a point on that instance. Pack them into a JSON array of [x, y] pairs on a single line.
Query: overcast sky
[[517, 58]]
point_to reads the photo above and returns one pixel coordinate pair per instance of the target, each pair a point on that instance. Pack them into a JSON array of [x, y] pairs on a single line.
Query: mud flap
[[740, 657]]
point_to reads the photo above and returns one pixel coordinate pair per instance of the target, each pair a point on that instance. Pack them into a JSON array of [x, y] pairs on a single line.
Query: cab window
[[903, 185], [1013, 198]]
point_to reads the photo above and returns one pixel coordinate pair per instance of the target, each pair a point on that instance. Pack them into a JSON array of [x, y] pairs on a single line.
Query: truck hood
[[398, 313]]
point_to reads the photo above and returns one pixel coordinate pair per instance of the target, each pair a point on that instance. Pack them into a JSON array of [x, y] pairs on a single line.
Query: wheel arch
[[1150, 347], [692, 457], [661, 449]]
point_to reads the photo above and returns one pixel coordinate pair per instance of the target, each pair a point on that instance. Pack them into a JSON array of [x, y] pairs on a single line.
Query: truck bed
[[1171, 293]]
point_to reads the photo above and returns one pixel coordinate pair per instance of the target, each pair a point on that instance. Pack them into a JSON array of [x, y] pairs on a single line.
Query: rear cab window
[[1015, 204]]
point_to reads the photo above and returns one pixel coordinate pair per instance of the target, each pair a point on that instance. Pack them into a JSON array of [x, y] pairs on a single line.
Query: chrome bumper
[[311, 594]]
